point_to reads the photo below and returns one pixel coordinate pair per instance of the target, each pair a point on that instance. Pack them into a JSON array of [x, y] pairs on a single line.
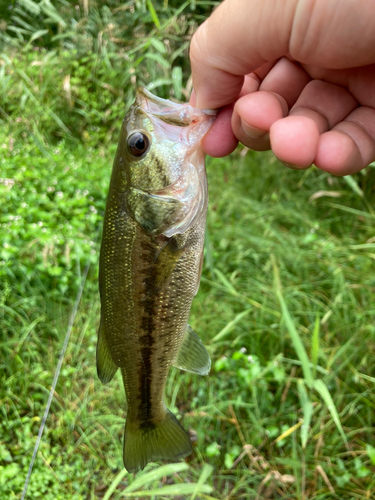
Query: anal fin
[[193, 356], [104, 363]]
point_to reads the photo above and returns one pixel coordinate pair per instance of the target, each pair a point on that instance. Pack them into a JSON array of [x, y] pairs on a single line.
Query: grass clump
[[51, 205], [67, 70]]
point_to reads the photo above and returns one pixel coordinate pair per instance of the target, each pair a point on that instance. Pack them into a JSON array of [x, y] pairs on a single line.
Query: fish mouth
[[180, 123], [178, 114]]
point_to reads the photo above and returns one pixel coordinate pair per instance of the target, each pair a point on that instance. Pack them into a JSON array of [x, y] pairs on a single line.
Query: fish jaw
[[179, 124]]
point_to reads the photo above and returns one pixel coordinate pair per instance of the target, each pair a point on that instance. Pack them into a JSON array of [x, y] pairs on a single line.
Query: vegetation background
[[286, 305]]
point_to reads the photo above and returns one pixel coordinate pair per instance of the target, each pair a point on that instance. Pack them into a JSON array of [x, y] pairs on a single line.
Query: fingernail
[[254, 133], [293, 167]]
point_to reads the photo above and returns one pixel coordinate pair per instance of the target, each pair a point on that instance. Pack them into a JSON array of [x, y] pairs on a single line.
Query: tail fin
[[165, 440]]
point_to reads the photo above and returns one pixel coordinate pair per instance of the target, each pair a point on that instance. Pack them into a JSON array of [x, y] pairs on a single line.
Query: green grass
[[66, 69], [285, 305], [285, 308]]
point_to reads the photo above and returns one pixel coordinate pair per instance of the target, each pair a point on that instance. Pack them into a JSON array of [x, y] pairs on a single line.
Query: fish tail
[[164, 440]]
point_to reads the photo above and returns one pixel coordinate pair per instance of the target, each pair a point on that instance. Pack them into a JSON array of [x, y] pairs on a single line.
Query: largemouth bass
[[150, 266]]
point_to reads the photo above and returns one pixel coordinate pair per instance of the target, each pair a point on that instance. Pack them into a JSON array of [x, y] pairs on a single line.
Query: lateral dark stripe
[[147, 341]]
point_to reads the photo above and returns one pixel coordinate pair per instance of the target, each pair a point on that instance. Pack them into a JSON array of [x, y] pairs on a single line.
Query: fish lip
[[180, 114]]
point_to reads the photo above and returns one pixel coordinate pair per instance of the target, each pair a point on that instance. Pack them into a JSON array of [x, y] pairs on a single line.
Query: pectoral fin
[[104, 363], [152, 212], [193, 356], [166, 261]]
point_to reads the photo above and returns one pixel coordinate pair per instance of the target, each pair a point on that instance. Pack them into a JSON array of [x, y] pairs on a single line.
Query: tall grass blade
[[158, 58], [366, 377], [322, 389], [158, 83], [315, 344], [294, 335], [353, 211], [120, 476], [18, 20], [177, 81], [155, 475], [289, 431], [352, 183], [153, 14], [208, 257], [59, 122], [341, 354], [371, 453], [226, 286], [363, 246], [176, 13], [205, 474], [170, 490], [229, 327], [307, 409], [37, 34], [30, 6], [28, 331], [52, 13], [224, 280], [158, 45]]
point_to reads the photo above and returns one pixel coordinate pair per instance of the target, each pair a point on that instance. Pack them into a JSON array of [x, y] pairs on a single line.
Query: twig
[[55, 378], [321, 471], [288, 384]]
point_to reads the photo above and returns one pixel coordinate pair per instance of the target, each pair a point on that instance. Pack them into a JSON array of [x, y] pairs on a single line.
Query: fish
[[150, 267]]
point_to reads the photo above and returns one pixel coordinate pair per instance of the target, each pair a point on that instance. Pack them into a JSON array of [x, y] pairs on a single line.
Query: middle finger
[[279, 87]]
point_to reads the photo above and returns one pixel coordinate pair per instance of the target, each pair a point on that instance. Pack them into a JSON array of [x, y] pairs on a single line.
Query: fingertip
[[338, 154], [294, 140], [261, 109], [220, 140], [253, 116]]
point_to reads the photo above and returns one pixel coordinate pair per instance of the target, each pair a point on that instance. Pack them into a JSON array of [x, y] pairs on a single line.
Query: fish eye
[[138, 144]]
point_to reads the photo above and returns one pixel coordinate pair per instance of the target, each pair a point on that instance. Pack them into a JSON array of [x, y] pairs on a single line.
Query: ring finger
[[320, 107]]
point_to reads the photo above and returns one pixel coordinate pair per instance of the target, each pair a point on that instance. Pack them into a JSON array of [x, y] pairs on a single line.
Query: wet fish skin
[[150, 266]]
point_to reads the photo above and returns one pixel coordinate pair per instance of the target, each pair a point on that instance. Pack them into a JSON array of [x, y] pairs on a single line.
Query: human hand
[[299, 76]]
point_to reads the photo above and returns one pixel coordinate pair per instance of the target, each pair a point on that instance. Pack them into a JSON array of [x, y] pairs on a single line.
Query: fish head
[[159, 160]]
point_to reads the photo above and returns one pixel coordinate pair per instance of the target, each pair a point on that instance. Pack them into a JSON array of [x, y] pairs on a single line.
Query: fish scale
[[150, 266]]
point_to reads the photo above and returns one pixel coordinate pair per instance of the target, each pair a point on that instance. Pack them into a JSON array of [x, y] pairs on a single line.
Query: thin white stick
[[55, 378]]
